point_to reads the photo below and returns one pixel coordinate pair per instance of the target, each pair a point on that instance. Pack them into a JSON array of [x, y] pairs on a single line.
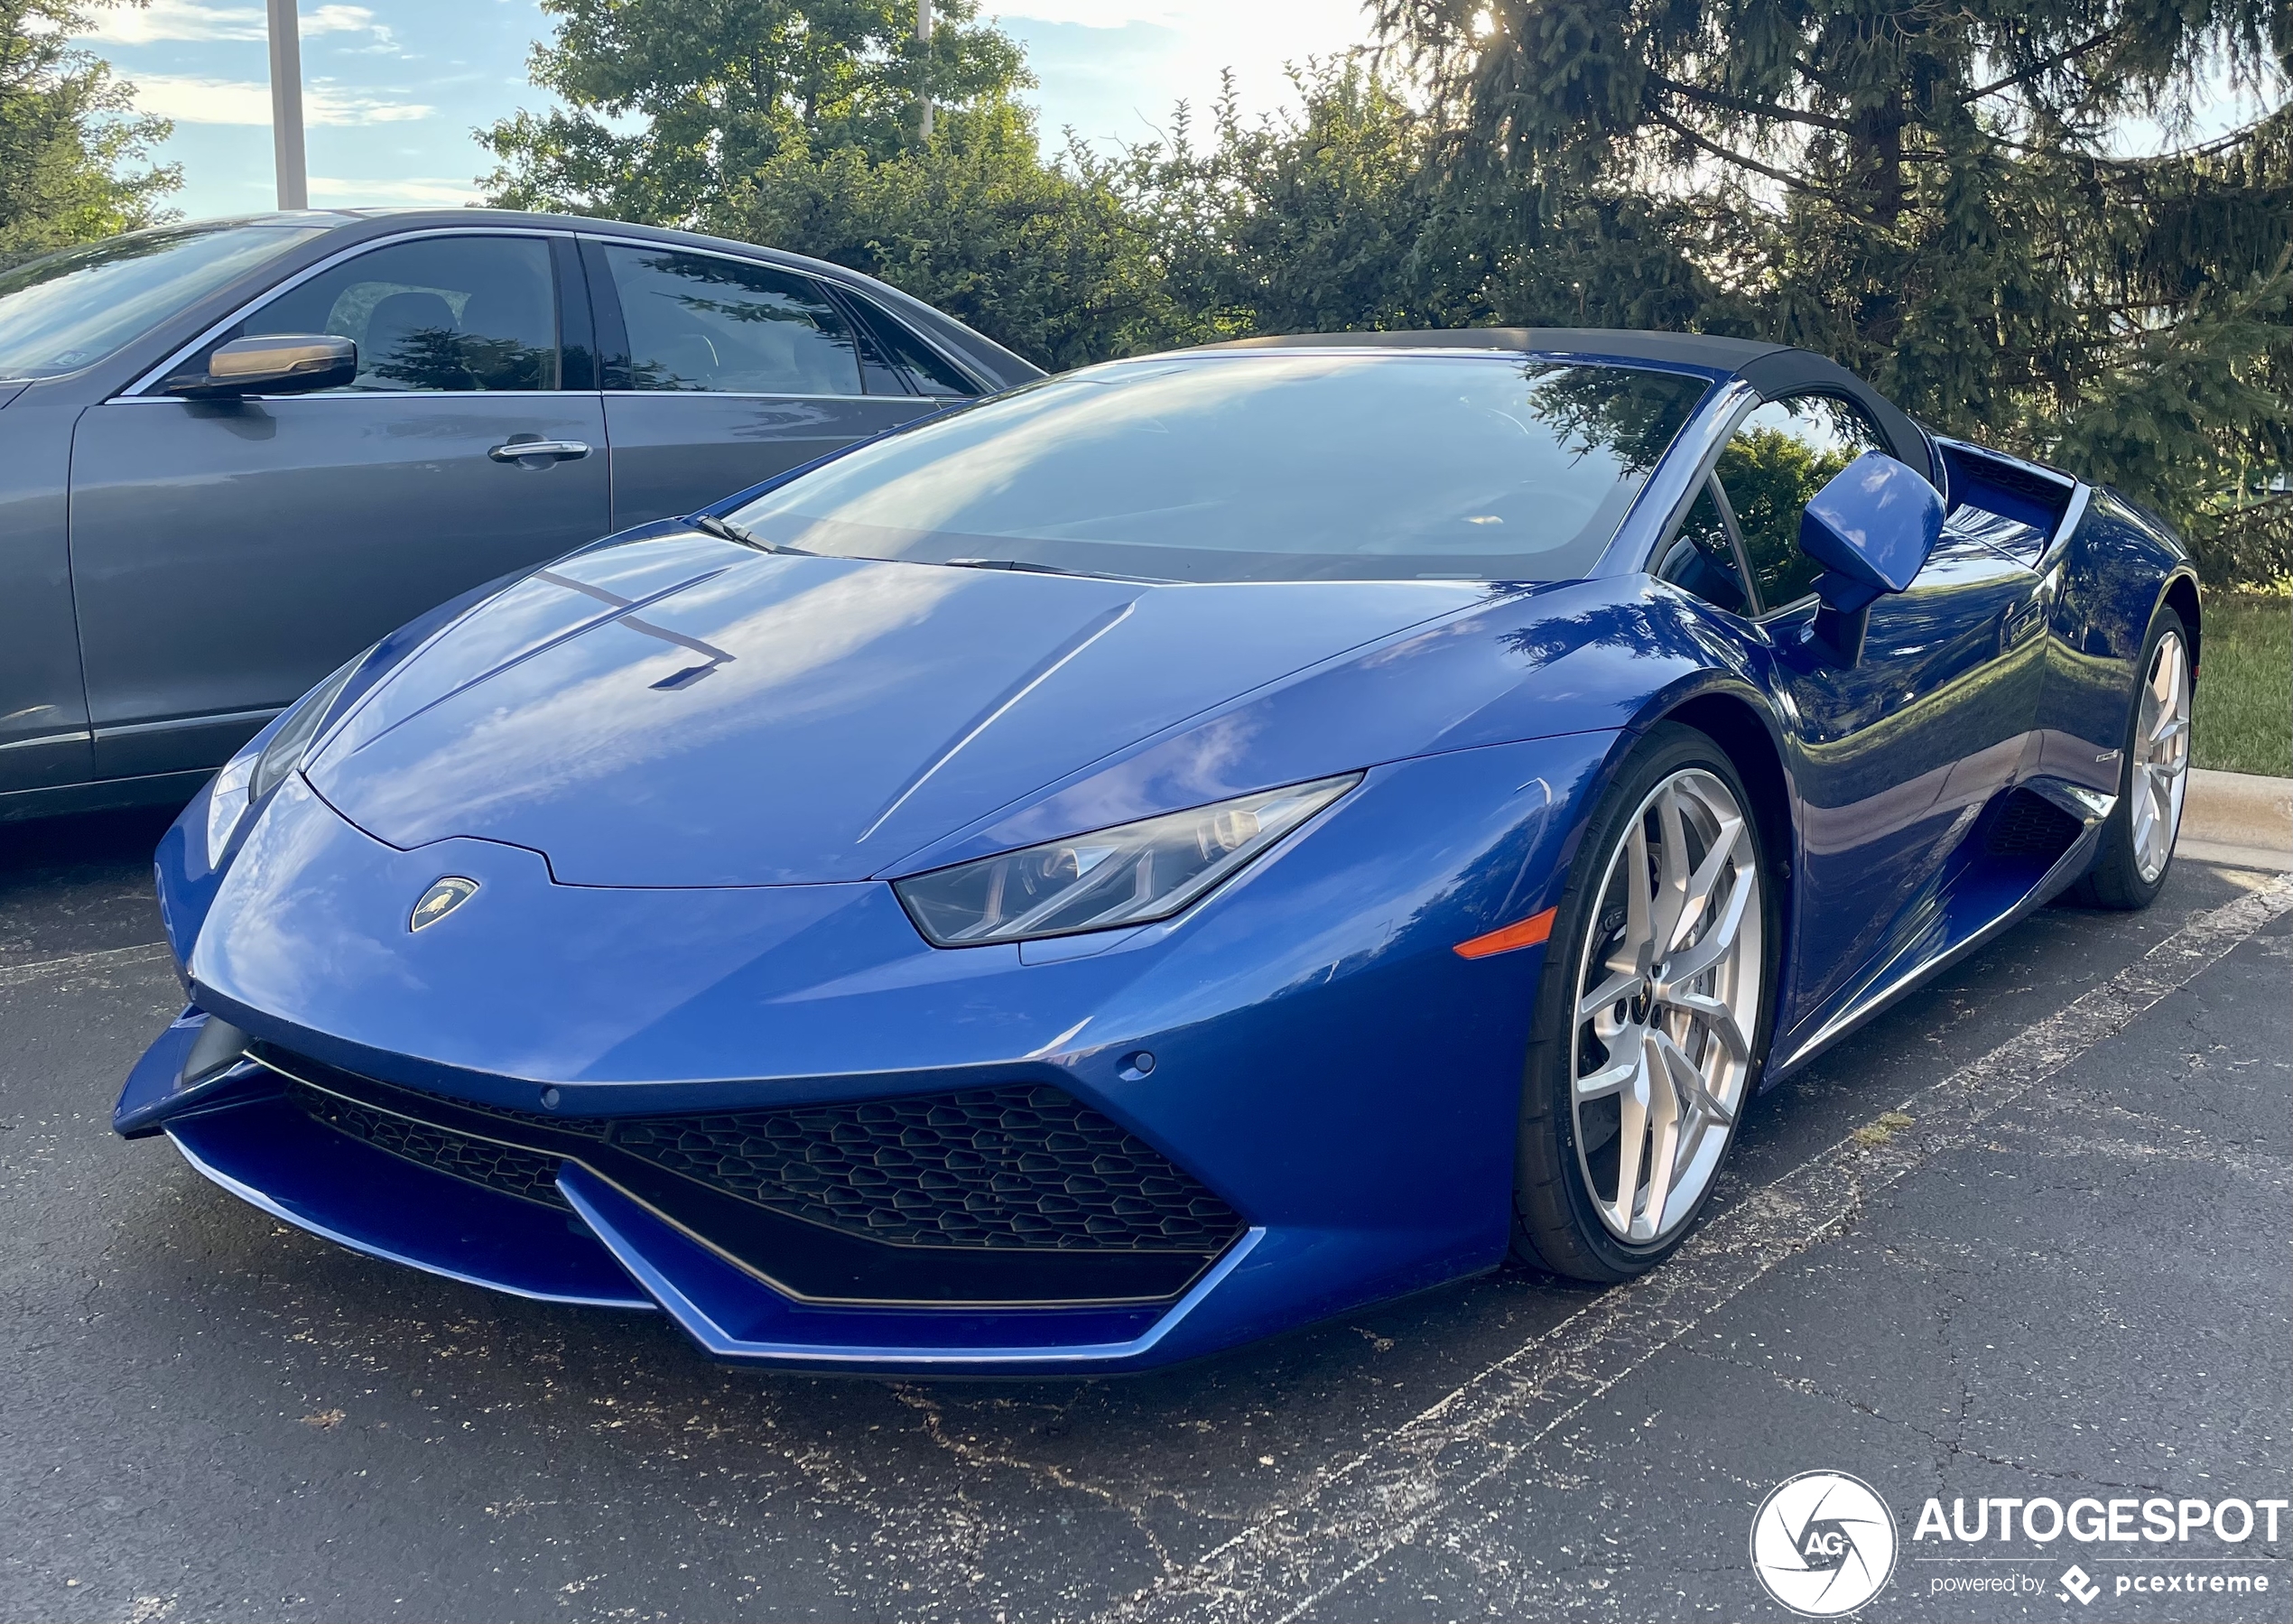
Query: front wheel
[[2153, 776], [1652, 1016]]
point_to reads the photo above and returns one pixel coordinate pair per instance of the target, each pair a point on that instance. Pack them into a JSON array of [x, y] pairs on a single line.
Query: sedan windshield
[[1273, 465], [64, 310]]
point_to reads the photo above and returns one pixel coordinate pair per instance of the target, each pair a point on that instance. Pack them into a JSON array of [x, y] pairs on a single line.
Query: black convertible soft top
[[1773, 369]]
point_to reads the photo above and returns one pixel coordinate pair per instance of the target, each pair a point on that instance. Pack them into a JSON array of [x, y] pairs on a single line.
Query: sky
[[393, 89]]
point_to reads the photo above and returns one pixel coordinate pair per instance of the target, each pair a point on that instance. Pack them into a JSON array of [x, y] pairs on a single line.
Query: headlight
[[1132, 874], [250, 776]]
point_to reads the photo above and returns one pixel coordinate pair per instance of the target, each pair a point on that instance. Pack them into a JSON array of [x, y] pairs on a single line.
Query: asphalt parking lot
[[2024, 1236]]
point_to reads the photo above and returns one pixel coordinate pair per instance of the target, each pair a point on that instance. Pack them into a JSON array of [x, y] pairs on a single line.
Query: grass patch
[[2243, 721]]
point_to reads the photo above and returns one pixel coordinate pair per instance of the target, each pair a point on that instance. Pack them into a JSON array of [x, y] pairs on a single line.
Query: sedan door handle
[[519, 447]]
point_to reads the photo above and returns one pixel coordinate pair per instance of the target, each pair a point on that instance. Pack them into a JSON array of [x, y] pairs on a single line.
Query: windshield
[[61, 312], [1265, 466]]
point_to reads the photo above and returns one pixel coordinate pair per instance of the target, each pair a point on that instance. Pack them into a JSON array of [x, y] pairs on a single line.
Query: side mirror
[[1872, 528], [273, 364]]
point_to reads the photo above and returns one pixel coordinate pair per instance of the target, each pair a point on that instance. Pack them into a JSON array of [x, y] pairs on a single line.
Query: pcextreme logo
[[1823, 1543]]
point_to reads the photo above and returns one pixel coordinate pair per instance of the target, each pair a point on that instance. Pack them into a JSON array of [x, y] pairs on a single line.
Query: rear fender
[[2109, 577]]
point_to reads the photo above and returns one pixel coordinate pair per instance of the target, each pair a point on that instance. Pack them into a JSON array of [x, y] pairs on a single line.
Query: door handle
[[519, 447], [2018, 624]]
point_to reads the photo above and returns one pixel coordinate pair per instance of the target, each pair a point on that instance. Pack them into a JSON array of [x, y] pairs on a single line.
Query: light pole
[[286, 104], [923, 37]]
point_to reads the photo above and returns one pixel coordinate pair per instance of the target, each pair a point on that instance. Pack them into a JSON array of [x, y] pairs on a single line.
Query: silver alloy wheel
[[2161, 758], [1667, 1004]]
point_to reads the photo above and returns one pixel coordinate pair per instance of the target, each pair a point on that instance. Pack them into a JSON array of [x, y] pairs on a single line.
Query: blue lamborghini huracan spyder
[[1167, 853]]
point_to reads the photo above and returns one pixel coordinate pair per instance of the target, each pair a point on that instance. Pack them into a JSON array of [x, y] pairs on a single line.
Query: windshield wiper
[[725, 530], [1008, 563], [1028, 567]]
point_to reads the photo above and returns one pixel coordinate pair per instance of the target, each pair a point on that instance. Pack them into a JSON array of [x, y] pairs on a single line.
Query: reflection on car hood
[[683, 712]]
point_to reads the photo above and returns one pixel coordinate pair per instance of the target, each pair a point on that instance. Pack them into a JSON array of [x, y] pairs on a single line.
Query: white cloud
[[1106, 14], [340, 19], [178, 20], [190, 99], [328, 193], [1314, 23], [1111, 69], [189, 20]]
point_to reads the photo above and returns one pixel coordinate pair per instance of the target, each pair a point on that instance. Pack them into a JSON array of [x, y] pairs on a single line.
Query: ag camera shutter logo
[[1823, 1543]]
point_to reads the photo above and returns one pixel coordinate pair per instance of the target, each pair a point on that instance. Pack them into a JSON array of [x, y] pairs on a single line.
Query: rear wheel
[[2153, 776], [1651, 1019]]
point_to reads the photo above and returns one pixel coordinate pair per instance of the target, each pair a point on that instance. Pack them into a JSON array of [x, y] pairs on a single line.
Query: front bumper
[[583, 1239], [815, 1141]]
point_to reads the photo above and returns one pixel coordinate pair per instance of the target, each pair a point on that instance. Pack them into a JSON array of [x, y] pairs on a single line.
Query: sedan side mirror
[[273, 364], [1872, 528]]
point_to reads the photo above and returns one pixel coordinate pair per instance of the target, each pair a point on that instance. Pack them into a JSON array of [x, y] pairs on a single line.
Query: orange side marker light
[[1528, 932]]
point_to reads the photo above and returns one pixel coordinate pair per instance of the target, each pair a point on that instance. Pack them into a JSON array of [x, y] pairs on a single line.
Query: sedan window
[[1777, 460], [697, 321], [443, 313], [932, 373]]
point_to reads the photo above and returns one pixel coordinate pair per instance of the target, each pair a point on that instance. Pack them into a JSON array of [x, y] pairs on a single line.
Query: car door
[[226, 554], [1901, 749], [721, 372]]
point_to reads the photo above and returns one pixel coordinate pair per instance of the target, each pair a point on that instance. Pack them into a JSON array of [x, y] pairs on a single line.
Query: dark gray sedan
[[233, 454]]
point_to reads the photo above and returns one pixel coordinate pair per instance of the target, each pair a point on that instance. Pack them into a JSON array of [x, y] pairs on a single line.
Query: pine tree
[[1939, 198]]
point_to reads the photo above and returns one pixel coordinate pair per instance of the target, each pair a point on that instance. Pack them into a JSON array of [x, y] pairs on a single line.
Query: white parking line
[[102, 958], [1352, 1514]]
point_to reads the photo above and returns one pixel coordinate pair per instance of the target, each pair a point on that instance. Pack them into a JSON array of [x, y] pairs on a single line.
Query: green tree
[[67, 133], [671, 102], [1938, 198], [1048, 259], [1298, 222]]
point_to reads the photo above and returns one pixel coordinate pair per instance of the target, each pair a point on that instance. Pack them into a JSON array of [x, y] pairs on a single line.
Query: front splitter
[[612, 1252]]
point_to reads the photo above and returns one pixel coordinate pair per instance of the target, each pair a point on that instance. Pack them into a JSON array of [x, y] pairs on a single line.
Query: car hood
[[678, 710]]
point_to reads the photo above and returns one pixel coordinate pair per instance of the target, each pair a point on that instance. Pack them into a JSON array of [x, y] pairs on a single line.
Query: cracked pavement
[[2065, 1274]]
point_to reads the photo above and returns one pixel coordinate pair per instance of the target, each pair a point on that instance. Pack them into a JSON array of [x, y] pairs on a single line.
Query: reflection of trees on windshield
[[64, 309], [118, 251], [1627, 414], [1279, 466]]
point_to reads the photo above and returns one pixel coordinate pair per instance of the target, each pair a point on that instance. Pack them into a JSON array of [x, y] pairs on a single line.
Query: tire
[[1572, 1215], [2138, 838]]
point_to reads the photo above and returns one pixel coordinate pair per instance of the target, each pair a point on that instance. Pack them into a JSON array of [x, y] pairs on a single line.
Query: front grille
[[1018, 1193], [527, 1175], [1009, 1168]]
